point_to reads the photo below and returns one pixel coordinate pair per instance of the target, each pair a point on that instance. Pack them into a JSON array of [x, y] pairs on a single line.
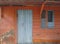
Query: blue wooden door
[[24, 26]]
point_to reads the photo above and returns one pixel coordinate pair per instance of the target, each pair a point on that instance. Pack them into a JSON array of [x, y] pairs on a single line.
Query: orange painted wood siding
[[9, 21]]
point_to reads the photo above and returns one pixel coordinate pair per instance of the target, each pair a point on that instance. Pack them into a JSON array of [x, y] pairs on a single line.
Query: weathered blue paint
[[24, 26]]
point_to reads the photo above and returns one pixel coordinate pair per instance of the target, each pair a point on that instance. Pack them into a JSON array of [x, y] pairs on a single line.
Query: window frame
[[43, 19], [46, 20], [52, 20]]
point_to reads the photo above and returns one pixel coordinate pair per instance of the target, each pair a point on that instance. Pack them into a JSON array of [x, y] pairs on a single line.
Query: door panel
[[24, 26]]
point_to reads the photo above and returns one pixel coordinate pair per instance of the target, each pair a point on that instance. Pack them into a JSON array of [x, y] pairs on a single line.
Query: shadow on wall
[[7, 38]]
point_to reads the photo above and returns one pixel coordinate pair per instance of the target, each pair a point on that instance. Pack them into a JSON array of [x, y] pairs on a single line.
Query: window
[[47, 19], [50, 19], [43, 14], [50, 16], [43, 20]]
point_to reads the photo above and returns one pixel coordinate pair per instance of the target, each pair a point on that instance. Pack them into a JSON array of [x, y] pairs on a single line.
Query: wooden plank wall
[[9, 21]]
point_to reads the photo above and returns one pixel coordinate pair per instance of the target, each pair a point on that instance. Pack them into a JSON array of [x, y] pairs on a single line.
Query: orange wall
[[9, 21], [46, 34]]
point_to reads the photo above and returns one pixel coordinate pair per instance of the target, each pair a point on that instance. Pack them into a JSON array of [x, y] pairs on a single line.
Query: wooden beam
[[17, 2], [42, 7]]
